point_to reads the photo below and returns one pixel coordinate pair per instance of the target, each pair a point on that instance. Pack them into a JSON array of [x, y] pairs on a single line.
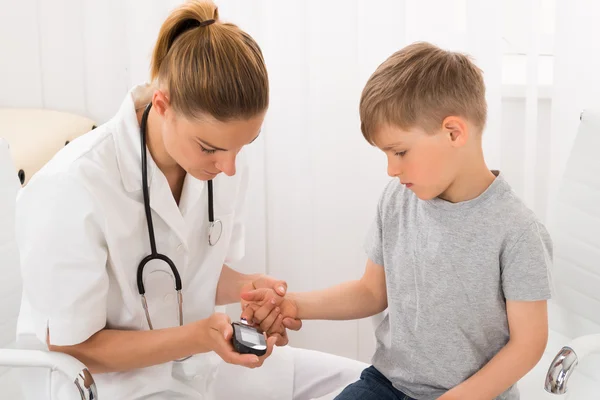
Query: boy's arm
[[349, 300], [528, 326]]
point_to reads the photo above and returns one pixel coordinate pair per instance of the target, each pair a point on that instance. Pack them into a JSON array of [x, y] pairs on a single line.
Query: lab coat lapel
[[127, 140], [194, 201], [163, 203]]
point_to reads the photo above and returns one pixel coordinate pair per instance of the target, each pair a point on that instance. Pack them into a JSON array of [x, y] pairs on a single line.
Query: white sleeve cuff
[[68, 331]]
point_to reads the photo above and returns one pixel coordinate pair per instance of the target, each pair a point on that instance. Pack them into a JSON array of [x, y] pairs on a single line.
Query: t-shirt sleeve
[[374, 240], [526, 266]]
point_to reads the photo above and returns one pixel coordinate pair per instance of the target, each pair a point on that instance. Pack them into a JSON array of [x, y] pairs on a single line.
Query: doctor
[[125, 235]]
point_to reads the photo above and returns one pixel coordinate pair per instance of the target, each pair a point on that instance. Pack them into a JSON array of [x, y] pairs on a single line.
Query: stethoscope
[[214, 231]]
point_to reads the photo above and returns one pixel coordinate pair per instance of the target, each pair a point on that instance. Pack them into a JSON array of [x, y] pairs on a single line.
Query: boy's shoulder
[[499, 209], [518, 220]]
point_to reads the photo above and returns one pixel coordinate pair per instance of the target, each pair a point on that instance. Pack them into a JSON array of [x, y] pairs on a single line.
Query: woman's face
[[205, 147]]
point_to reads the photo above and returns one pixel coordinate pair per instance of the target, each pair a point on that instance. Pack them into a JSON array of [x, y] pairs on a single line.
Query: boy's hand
[[273, 313], [278, 289]]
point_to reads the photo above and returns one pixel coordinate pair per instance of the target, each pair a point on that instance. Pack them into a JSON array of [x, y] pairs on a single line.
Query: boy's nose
[[393, 169]]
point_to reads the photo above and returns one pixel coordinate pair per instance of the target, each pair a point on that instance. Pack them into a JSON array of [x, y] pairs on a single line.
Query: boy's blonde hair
[[209, 67], [419, 86]]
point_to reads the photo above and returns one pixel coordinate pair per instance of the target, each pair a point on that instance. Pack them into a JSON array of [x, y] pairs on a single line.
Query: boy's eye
[[400, 153], [205, 150]]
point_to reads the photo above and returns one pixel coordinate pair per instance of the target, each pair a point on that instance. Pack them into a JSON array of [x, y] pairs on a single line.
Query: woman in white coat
[[164, 178]]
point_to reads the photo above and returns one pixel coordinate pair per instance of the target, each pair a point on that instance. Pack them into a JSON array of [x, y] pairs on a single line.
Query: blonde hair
[[209, 67], [419, 86]]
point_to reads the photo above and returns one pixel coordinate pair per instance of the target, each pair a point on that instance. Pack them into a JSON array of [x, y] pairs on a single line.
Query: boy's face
[[427, 163]]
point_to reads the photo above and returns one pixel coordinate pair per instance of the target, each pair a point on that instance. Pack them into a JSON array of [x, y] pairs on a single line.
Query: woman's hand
[[216, 332]]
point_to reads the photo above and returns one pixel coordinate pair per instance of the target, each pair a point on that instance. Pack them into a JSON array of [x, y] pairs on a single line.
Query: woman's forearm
[[231, 283], [117, 350]]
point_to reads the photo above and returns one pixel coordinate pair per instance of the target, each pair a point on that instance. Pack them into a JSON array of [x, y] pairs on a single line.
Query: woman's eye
[[401, 153], [207, 151]]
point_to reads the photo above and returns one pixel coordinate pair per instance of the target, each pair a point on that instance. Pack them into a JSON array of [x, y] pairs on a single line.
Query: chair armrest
[[70, 366], [567, 360]]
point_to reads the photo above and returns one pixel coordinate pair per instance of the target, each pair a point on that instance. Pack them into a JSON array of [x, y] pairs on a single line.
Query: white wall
[[315, 181]]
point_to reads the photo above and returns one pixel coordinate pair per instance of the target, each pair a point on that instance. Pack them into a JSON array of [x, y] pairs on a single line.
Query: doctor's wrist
[[198, 334], [211, 334]]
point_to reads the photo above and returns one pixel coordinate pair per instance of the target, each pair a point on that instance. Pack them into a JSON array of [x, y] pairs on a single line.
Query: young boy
[[460, 263]]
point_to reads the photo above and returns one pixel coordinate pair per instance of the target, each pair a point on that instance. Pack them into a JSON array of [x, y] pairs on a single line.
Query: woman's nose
[[227, 164]]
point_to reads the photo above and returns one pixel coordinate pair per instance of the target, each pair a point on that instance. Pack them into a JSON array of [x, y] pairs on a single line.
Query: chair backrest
[[10, 283], [36, 135], [574, 223]]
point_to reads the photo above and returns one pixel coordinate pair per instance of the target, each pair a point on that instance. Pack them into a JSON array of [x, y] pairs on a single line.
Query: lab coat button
[[180, 248], [169, 298]]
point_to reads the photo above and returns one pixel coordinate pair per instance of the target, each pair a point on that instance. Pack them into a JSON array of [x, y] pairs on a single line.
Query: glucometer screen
[[250, 336]]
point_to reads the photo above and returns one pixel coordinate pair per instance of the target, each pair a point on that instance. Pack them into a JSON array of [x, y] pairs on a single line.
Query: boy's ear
[[456, 130]]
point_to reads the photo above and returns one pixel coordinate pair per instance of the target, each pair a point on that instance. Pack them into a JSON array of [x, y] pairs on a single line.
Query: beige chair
[[35, 136], [30, 138]]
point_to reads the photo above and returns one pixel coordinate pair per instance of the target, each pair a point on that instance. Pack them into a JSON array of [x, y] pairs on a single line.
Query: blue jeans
[[372, 386]]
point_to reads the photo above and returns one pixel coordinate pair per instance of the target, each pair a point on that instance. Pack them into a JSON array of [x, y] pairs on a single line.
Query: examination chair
[[571, 364], [28, 139]]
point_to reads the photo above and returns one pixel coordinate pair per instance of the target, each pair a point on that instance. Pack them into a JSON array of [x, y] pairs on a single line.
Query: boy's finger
[[277, 327], [263, 312], [268, 322], [248, 314], [293, 324]]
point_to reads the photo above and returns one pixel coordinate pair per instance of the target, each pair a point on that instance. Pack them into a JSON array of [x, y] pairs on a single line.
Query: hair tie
[[188, 25], [207, 22]]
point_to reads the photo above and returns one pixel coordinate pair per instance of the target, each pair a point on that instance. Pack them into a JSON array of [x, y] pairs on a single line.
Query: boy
[[460, 263]]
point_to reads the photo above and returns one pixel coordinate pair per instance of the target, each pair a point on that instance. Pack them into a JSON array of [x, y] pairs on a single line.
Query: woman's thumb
[[223, 326], [254, 295]]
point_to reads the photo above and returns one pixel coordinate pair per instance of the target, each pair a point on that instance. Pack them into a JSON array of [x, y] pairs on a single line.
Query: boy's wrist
[[295, 299]]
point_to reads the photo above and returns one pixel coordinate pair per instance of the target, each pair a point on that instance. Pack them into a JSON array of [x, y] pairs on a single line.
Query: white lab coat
[[82, 232]]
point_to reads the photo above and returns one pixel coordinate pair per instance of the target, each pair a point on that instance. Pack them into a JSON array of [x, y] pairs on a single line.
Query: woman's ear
[[160, 102], [457, 130]]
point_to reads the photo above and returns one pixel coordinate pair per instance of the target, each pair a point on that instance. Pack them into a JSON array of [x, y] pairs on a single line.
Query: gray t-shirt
[[449, 268]]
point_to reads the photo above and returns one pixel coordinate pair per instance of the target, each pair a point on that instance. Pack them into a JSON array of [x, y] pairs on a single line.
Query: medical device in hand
[[247, 339]]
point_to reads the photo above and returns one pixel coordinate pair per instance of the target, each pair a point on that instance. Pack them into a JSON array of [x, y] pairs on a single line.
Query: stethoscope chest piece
[[214, 232]]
